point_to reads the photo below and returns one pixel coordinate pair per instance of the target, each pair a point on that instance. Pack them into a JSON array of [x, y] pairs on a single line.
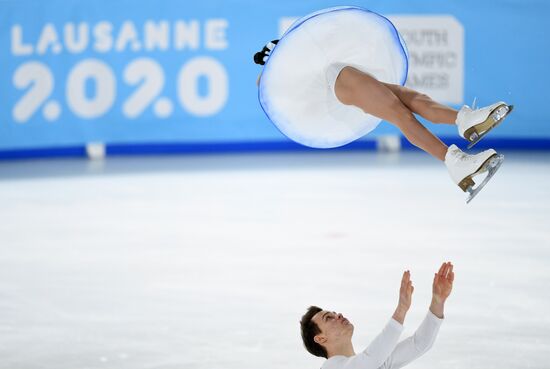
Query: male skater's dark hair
[[309, 331]]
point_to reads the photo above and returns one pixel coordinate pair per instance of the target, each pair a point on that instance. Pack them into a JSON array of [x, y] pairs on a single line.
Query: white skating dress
[[296, 88]]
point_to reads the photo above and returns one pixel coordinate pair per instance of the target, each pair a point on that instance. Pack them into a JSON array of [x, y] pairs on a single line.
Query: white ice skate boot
[[473, 124], [463, 168]]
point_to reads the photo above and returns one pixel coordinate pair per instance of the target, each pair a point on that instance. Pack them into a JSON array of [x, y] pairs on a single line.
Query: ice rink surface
[[208, 262]]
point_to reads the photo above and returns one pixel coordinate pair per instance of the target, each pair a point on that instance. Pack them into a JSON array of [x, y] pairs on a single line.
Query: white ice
[[205, 262]]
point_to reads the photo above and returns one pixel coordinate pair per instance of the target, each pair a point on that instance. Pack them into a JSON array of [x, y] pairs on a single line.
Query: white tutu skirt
[[297, 84]]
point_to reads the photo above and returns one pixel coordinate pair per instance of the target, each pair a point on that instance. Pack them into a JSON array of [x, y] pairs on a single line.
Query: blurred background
[[152, 216]]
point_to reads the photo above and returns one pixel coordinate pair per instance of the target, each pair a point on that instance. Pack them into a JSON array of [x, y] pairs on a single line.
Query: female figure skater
[[335, 74]]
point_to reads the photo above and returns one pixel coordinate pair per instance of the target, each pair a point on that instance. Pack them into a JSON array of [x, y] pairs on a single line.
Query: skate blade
[[497, 116], [491, 166]]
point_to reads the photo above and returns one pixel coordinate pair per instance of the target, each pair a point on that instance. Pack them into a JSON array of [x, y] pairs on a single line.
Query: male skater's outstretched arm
[[424, 337], [328, 334]]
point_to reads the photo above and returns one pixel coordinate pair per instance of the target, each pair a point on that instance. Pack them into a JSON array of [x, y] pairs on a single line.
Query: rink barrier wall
[[112, 150], [61, 91]]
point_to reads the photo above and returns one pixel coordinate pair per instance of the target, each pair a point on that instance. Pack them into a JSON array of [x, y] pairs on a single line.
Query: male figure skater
[[328, 334]]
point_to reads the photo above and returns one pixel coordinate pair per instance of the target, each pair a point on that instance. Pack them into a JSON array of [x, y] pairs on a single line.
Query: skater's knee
[[400, 113], [398, 108], [420, 98], [424, 105]]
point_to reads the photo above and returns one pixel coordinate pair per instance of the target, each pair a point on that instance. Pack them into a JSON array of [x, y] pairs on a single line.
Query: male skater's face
[[334, 327]]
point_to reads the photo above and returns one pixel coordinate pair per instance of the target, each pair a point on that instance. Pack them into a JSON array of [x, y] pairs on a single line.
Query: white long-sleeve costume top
[[385, 353]]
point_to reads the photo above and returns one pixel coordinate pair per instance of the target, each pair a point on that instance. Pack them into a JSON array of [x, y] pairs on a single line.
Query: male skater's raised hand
[[442, 287], [405, 297]]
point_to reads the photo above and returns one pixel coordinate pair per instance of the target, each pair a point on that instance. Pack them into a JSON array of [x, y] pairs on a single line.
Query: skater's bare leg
[[423, 105], [354, 87]]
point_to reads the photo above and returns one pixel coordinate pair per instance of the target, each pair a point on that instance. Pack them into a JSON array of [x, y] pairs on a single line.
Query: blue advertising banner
[[167, 71]]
